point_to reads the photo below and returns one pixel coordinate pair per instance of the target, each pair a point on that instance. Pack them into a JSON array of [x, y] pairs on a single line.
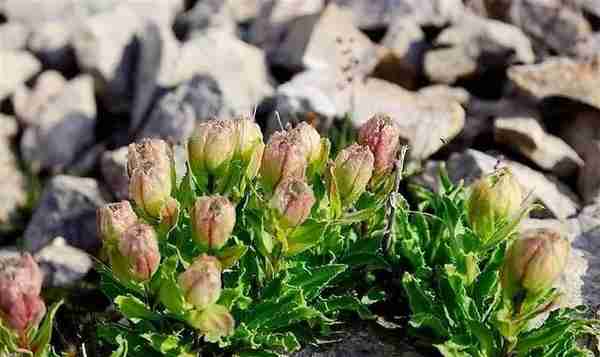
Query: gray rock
[[64, 128], [326, 41], [13, 36], [473, 45], [175, 115], [17, 67], [559, 200], [113, 166], [29, 103], [13, 186], [425, 124], [527, 136], [207, 15], [244, 11], [564, 77], [551, 23], [34, 13], [591, 6], [436, 13], [67, 209], [274, 18], [51, 42], [63, 265], [242, 88], [446, 93], [158, 55]]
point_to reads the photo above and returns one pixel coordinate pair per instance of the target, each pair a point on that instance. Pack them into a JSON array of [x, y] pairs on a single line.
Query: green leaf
[[123, 348], [357, 216], [305, 237], [313, 281], [229, 256], [41, 341], [135, 309], [334, 304]]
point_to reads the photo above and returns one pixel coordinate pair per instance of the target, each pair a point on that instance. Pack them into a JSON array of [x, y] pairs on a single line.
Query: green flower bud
[[201, 282], [310, 138], [534, 261], [150, 189], [381, 135], [212, 147], [214, 322], [494, 197], [138, 248], [285, 156], [113, 219], [213, 219], [248, 136], [352, 169], [292, 201]]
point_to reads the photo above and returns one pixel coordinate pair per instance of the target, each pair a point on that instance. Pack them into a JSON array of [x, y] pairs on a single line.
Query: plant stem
[[391, 204]]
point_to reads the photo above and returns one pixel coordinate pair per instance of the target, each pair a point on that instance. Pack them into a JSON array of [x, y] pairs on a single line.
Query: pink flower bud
[[155, 152], [201, 282], [292, 200], [212, 146], [310, 138], [150, 189], [285, 156], [213, 219], [353, 168], [20, 285], [381, 135], [535, 261], [113, 219], [139, 248]]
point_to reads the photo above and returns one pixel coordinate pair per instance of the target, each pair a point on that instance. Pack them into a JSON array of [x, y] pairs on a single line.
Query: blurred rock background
[[470, 82]]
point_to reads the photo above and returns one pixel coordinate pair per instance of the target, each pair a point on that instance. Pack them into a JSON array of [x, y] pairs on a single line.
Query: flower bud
[[201, 282], [21, 307], [284, 157], [248, 136], [535, 261], [212, 147], [381, 135], [494, 197], [213, 219], [113, 219], [292, 200], [310, 138], [353, 168], [139, 248], [215, 322], [153, 152], [150, 189]]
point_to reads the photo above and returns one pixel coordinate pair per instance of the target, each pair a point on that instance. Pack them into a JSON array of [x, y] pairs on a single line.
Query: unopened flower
[[352, 169], [213, 219], [494, 197], [215, 322], [381, 135], [21, 307], [250, 146], [169, 214], [201, 282], [139, 249], [293, 199], [150, 189], [285, 156], [534, 261], [311, 140], [113, 219], [212, 147], [153, 152]]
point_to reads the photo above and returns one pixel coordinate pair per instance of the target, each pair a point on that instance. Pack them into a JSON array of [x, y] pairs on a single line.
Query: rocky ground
[[470, 83]]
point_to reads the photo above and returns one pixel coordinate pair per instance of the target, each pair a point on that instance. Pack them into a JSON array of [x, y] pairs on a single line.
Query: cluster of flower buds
[[201, 287], [151, 173], [292, 202], [534, 262], [493, 198], [21, 307], [213, 219], [382, 135], [132, 247]]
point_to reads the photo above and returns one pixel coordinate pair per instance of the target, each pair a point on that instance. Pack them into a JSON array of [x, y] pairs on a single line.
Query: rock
[[244, 11], [50, 41], [13, 186], [34, 13], [13, 36], [220, 52], [475, 45], [175, 115], [527, 136], [591, 6], [158, 56], [64, 128], [551, 23], [67, 208], [564, 77], [326, 41], [425, 124], [207, 15], [113, 166], [402, 54], [436, 13], [29, 103], [446, 93], [63, 265], [274, 18], [17, 67], [560, 201]]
